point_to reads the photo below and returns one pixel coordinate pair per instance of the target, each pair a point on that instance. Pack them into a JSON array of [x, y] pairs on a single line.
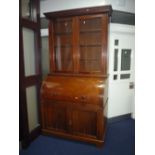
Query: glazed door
[[79, 44], [121, 70], [61, 42], [92, 44]]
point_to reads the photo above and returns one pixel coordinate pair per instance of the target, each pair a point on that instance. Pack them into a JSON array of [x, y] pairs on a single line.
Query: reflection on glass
[[125, 59], [63, 57], [115, 59], [63, 44], [29, 52], [28, 10]]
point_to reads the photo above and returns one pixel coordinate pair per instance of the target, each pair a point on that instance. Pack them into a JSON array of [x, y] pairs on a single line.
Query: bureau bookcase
[[72, 95]]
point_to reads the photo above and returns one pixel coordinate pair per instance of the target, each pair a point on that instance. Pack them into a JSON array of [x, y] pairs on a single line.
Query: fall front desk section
[[73, 107]]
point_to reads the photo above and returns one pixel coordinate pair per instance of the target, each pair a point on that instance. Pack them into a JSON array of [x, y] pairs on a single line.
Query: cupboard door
[[55, 117], [84, 123], [63, 45], [90, 44]]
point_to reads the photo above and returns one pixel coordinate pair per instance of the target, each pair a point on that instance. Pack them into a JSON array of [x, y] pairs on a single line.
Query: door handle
[[131, 85]]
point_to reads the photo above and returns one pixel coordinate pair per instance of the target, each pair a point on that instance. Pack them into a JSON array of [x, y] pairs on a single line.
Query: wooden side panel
[[100, 124], [105, 21], [51, 47]]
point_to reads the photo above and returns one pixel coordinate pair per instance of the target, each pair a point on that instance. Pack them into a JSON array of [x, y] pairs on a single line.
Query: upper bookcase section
[[78, 41], [78, 12]]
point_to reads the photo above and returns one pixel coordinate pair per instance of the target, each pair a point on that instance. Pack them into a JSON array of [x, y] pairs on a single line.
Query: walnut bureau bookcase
[[73, 96]]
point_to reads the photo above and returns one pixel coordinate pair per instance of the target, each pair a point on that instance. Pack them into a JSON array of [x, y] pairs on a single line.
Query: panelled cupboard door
[[79, 44], [58, 117], [84, 123], [55, 117]]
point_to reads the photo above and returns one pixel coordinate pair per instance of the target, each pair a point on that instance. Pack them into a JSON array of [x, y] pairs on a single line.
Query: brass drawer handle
[[76, 98]]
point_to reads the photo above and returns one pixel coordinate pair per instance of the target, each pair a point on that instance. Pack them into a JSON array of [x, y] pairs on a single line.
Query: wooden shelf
[[63, 33], [67, 60], [91, 31], [96, 45], [63, 46], [89, 59]]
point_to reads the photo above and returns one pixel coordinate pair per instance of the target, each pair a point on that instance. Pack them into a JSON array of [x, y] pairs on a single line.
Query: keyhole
[[66, 24]]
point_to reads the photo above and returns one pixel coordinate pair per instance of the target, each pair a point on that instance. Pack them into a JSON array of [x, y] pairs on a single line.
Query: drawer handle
[[76, 98]]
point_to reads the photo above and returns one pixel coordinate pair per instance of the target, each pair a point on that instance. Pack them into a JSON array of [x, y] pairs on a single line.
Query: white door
[[121, 70]]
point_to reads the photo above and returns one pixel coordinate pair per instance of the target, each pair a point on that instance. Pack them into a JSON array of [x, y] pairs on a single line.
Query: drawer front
[[76, 90], [73, 105], [58, 96]]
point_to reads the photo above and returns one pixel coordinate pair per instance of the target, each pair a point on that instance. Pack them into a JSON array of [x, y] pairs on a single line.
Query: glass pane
[[90, 39], [125, 59], [90, 24], [29, 51], [125, 76], [115, 77], [90, 58], [90, 44], [63, 58], [28, 10], [115, 59], [32, 107], [116, 42], [63, 25], [63, 44]]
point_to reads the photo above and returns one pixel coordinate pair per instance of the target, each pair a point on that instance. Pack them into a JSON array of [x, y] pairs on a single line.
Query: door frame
[[24, 135]]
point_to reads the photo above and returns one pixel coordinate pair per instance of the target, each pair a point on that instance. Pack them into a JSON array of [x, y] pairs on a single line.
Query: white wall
[[55, 5]]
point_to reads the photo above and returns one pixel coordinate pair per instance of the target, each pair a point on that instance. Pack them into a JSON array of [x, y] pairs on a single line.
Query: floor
[[119, 140]]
